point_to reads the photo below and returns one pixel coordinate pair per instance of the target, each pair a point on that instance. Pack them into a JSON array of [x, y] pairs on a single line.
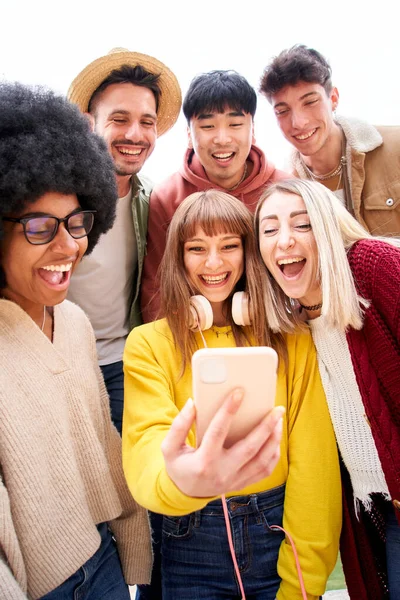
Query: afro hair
[[46, 145]]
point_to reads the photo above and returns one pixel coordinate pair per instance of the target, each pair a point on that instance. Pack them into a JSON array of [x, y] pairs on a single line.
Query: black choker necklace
[[313, 307]]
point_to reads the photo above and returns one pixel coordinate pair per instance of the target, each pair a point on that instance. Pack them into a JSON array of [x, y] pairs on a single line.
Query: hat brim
[[88, 80]]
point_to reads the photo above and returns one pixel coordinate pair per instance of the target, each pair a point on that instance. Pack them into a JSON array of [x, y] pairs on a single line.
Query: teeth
[[61, 268], [222, 156], [132, 152], [214, 278], [289, 261], [305, 136]]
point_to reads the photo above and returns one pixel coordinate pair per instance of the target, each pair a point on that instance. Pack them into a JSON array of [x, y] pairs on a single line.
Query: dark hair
[[217, 90], [294, 65], [126, 74], [46, 145]]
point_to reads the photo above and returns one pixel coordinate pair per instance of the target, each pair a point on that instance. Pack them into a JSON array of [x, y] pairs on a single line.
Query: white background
[[48, 43]]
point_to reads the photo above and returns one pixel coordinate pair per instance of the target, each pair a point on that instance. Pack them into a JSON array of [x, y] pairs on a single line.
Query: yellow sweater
[[309, 463]]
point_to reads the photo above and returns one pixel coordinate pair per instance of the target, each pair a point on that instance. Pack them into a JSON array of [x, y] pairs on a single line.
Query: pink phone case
[[217, 371]]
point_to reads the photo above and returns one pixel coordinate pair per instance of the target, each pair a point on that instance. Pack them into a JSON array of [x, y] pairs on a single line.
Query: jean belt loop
[[255, 508], [197, 518]]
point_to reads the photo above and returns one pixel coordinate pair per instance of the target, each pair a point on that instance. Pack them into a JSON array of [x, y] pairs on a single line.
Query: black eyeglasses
[[41, 229]]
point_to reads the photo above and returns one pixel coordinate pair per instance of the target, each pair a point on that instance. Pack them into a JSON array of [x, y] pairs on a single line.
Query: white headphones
[[202, 314]]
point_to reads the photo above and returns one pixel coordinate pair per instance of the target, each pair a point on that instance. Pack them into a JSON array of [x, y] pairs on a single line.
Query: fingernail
[[279, 426], [237, 396], [189, 405], [279, 411]]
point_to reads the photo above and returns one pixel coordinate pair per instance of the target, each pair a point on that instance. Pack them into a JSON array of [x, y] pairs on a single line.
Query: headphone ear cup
[[201, 313], [240, 309]]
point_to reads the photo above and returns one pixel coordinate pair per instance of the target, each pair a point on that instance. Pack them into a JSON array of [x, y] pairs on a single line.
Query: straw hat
[[170, 100]]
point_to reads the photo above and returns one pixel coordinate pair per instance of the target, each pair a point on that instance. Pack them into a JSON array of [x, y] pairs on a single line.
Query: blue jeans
[[114, 379], [100, 578], [393, 552], [196, 563]]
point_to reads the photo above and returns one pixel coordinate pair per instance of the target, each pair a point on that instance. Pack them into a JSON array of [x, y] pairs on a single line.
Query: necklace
[[243, 177], [44, 317], [223, 330], [313, 307], [329, 175]]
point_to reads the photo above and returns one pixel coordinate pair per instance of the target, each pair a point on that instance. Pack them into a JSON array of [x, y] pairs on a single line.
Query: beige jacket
[[373, 154]]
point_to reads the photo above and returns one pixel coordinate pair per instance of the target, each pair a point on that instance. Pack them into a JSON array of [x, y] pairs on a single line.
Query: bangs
[[215, 213]]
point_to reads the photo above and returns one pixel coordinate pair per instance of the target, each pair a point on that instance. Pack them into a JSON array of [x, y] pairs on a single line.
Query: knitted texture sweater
[[353, 432], [154, 394], [60, 457], [375, 353]]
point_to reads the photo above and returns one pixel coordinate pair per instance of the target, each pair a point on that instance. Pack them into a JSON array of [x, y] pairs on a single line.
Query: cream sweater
[[60, 457]]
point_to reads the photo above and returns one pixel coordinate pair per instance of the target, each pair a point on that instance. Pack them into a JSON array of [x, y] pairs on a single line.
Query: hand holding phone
[[216, 371], [210, 469]]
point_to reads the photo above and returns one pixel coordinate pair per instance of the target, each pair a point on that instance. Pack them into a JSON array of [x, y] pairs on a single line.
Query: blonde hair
[[215, 212], [335, 231]]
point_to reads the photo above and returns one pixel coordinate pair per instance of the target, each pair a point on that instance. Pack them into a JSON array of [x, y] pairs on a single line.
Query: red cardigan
[[375, 353]]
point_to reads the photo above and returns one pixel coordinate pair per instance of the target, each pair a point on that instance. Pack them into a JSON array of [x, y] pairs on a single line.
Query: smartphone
[[217, 371]]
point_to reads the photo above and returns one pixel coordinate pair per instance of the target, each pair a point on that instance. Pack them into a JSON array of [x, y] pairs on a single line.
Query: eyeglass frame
[[25, 220]]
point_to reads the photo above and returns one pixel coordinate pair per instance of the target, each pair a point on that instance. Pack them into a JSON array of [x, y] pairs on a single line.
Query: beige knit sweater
[[60, 458]]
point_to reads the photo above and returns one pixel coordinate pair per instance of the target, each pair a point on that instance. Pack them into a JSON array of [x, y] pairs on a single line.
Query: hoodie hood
[[261, 173]]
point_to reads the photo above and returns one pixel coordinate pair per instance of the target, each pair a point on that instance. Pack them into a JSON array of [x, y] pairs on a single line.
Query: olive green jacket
[[141, 189]]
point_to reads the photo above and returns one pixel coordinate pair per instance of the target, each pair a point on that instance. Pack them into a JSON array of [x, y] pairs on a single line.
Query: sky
[[49, 43]]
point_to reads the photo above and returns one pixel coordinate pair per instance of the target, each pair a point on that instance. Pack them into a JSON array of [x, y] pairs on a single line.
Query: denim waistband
[[103, 530], [244, 505]]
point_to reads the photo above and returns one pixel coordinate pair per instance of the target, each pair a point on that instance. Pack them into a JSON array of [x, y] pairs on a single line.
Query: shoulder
[[374, 263], [74, 317], [154, 334], [360, 135], [280, 175], [168, 186], [302, 365], [299, 344], [72, 311], [143, 184], [365, 137], [168, 195], [301, 353], [367, 252], [390, 135]]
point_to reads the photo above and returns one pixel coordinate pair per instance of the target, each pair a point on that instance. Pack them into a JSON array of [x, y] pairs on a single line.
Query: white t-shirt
[[340, 195], [102, 284]]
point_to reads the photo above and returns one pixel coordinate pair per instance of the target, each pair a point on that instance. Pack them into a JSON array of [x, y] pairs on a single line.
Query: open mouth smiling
[[305, 136], [131, 152], [291, 267], [214, 279], [223, 156], [56, 274]]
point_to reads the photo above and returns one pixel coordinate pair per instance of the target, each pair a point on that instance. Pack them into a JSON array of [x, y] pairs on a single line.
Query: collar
[[360, 136]]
